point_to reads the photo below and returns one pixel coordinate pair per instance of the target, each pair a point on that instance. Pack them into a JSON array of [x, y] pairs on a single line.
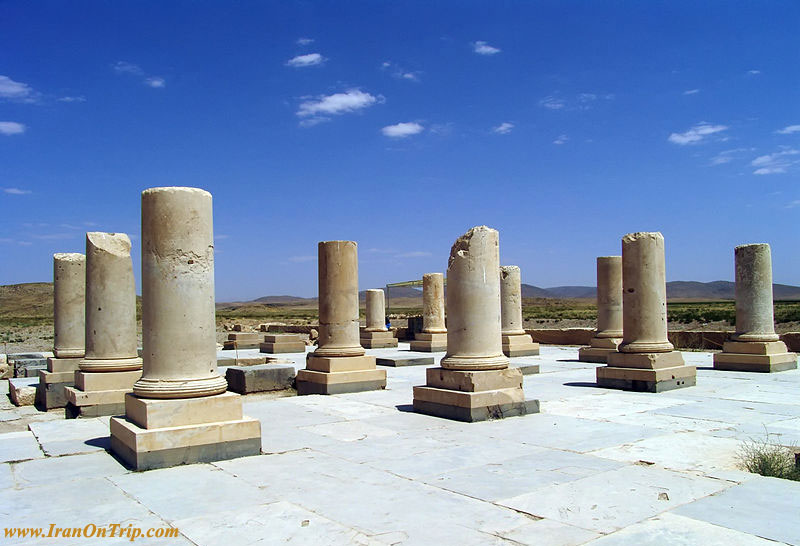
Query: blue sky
[[400, 125]]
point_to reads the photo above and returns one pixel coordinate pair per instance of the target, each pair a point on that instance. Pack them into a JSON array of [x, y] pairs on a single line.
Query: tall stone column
[[111, 365], [339, 364], [474, 381], [375, 335], [433, 337], [179, 411], [645, 360], [514, 339], [609, 311], [755, 347], [69, 332]]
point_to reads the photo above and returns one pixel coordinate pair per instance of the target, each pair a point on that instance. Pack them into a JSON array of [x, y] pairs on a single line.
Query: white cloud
[[552, 103], [301, 259], [311, 59], [728, 155], [124, 67], [776, 163], [155, 82], [696, 134], [754, 72], [402, 130], [562, 139], [16, 191], [305, 41], [16, 91], [72, 99], [314, 111], [482, 48], [11, 128], [792, 204], [504, 128], [691, 92], [789, 129], [407, 76]]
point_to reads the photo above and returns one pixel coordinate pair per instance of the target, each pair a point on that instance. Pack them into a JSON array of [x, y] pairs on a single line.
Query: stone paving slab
[[66, 469], [765, 507], [19, 446], [72, 436]]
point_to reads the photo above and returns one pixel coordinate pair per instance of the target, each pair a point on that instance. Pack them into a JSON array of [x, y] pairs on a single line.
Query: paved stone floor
[[596, 466]]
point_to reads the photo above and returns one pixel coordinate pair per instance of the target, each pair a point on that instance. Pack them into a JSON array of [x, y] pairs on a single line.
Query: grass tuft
[[768, 459]]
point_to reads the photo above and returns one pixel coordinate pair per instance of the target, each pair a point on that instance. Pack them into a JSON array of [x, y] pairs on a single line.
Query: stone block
[[94, 403], [6, 370], [386, 343], [247, 360], [755, 347], [474, 381], [650, 361], [340, 363], [562, 336], [145, 449], [792, 341], [50, 390], [428, 346], [152, 413], [765, 363], [283, 338], [106, 381], [645, 380], [605, 343], [473, 406], [22, 391], [241, 344], [267, 377], [436, 338], [315, 382], [28, 365], [594, 354], [397, 361], [526, 368], [63, 364], [279, 347], [71, 411]]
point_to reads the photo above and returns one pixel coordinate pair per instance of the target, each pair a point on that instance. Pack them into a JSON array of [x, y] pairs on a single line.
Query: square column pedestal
[[99, 393], [377, 340], [473, 395], [429, 343], [158, 433], [755, 356], [339, 375], [282, 343], [646, 372], [519, 345], [60, 374], [599, 349]]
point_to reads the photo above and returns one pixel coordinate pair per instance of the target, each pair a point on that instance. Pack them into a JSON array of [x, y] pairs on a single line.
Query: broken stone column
[[69, 332], [609, 311], [375, 335], [645, 360], [755, 347], [179, 411], [111, 365], [433, 337], [339, 364], [515, 341], [474, 382]]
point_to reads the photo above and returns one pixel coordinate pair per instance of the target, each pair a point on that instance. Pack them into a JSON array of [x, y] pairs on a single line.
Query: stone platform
[[594, 467]]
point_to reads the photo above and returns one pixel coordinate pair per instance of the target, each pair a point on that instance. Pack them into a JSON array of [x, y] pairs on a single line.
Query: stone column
[[514, 339], [179, 411], [645, 360], [434, 333], [69, 332], [474, 381], [111, 365], [339, 364], [69, 305], [376, 335], [755, 347], [609, 311]]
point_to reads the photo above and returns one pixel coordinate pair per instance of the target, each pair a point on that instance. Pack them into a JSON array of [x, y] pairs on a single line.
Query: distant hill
[[33, 299], [572, 292]]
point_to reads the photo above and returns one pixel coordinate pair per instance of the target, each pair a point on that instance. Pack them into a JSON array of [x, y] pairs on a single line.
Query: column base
[[525, 367], [99, 394], [50, 391], [755, 356], [289, 344], [63, 364], [377, 340], [398, 361], [598, 349], [339, 375], [519, 345], [646, 372], [473, 395], [429, 343], [159, 433]]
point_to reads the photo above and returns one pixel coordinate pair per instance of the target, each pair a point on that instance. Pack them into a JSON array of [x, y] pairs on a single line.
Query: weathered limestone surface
[[609, 311], [243, 340], [339, 364], [282, 343], [265, 377], [375, 335], [69, 305], [645, 360], [179, 411], [474, 382], [433, 337], [516, 342], [754, 347], [110, 329]]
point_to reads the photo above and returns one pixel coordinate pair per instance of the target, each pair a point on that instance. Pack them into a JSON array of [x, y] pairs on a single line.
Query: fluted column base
[[755, 356]]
